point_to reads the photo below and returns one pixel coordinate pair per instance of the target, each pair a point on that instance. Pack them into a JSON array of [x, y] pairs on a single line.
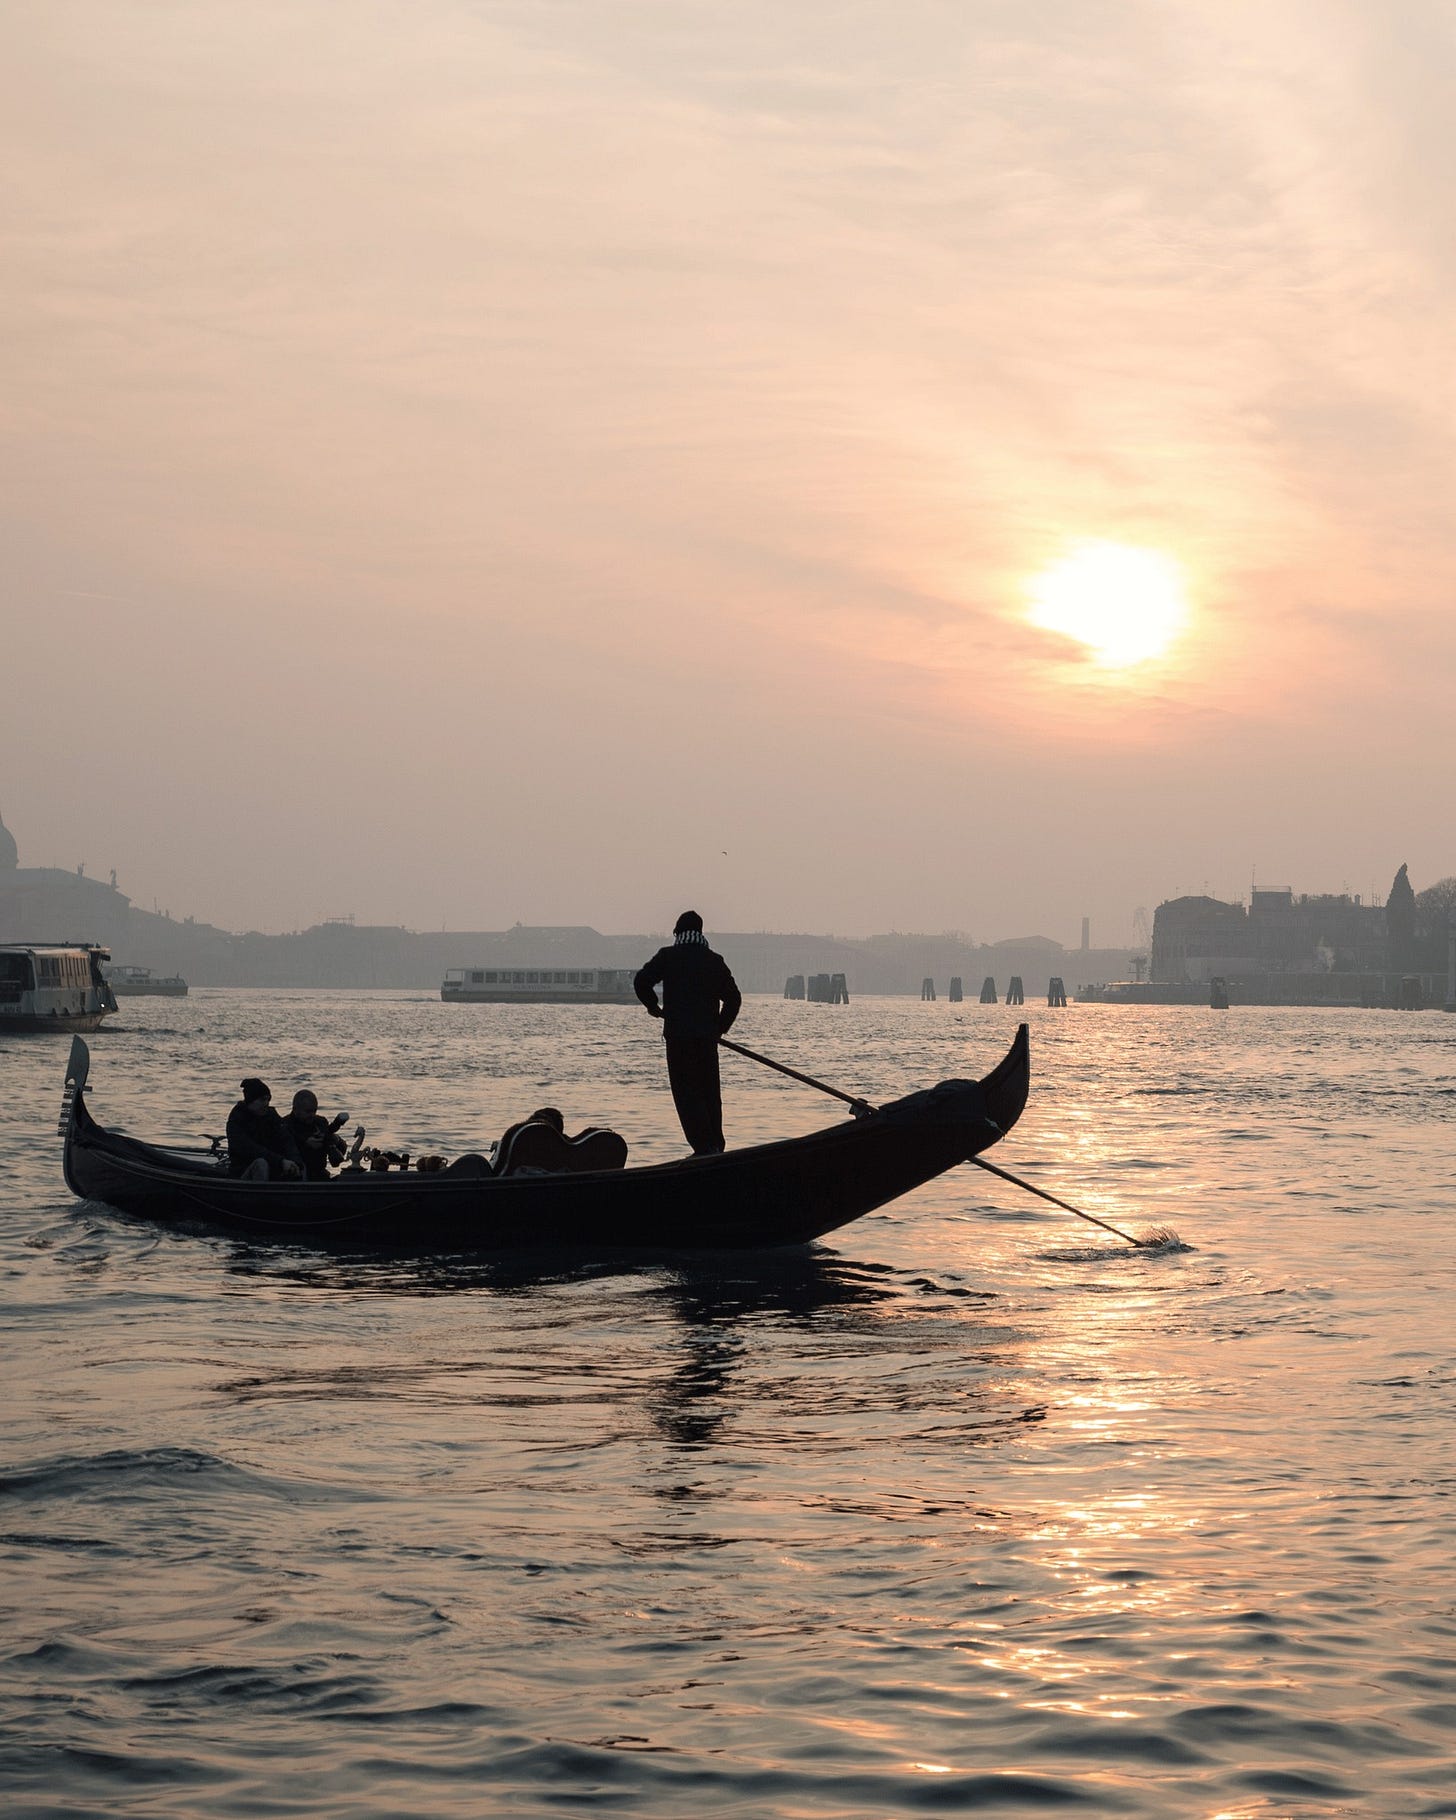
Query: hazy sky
[[467, 462]]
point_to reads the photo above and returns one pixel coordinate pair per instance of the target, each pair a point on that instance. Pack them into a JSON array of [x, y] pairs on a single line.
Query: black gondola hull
[[785, 1193]]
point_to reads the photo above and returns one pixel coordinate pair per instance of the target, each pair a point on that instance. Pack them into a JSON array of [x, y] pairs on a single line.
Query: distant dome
[[9, 852]]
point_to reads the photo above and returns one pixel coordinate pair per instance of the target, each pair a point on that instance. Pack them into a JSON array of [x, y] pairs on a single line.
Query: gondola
[[784, 1193]]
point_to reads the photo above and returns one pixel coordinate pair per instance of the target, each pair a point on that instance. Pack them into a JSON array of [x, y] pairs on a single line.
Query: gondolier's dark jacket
[[250, 1136], [700, 997]]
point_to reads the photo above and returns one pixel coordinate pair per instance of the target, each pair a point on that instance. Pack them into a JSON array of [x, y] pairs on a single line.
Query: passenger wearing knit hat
[[260, 1146]]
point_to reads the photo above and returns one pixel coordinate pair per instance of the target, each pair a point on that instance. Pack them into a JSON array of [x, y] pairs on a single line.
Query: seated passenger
[[316, 1139], [543, 1115], [260, 1146]]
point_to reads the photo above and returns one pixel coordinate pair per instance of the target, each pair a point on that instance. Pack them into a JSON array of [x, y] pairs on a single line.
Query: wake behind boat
[[784, 1193]]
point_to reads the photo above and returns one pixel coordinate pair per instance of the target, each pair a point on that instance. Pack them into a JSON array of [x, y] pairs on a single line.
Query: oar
[[1007, 1176], [862, 1109]]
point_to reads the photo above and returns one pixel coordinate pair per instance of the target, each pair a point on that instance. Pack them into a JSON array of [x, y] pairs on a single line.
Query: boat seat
[[468, 1166], [540, 1149]]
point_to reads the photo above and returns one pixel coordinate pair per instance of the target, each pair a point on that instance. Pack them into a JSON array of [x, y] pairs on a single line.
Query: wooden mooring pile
[[818, 988]]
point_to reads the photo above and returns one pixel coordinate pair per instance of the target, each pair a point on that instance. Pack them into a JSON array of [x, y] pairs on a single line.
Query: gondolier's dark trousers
[[692, 1073]]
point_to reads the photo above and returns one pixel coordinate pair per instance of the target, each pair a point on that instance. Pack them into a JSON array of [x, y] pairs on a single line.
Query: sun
[[1124, 604]]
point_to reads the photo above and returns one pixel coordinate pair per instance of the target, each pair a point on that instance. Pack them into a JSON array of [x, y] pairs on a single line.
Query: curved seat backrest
[[541, 1147]]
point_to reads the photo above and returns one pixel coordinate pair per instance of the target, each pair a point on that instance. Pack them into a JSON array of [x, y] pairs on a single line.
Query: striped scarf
[[690, 938]]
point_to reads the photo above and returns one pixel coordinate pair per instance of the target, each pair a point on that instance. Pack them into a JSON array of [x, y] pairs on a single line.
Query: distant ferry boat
[[538, 986], [140, 982], [53, 988]]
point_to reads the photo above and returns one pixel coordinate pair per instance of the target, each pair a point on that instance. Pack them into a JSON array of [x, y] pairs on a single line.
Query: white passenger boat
[[61, 987], [538, 986], [141, 982]]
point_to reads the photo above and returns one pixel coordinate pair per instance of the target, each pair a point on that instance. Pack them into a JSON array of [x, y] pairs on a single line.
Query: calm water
[[972, 1508]]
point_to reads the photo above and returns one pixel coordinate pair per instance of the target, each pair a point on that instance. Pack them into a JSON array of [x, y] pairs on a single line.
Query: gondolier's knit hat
[[254, 1089], [688, 929]]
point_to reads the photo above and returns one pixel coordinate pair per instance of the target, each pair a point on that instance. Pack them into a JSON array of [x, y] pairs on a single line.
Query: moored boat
[[53, 987], [784, 1193]]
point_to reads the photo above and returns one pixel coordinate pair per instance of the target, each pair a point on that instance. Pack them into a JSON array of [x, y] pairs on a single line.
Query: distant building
[[1195, 938], [50, 904], [1400, 921]]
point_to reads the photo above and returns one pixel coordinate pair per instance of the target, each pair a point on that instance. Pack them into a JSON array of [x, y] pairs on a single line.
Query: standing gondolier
[[700, 1000]]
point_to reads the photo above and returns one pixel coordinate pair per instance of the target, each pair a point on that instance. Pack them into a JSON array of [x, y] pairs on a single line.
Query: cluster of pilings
[[1015, 991], [830, 989], [818, 988]]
